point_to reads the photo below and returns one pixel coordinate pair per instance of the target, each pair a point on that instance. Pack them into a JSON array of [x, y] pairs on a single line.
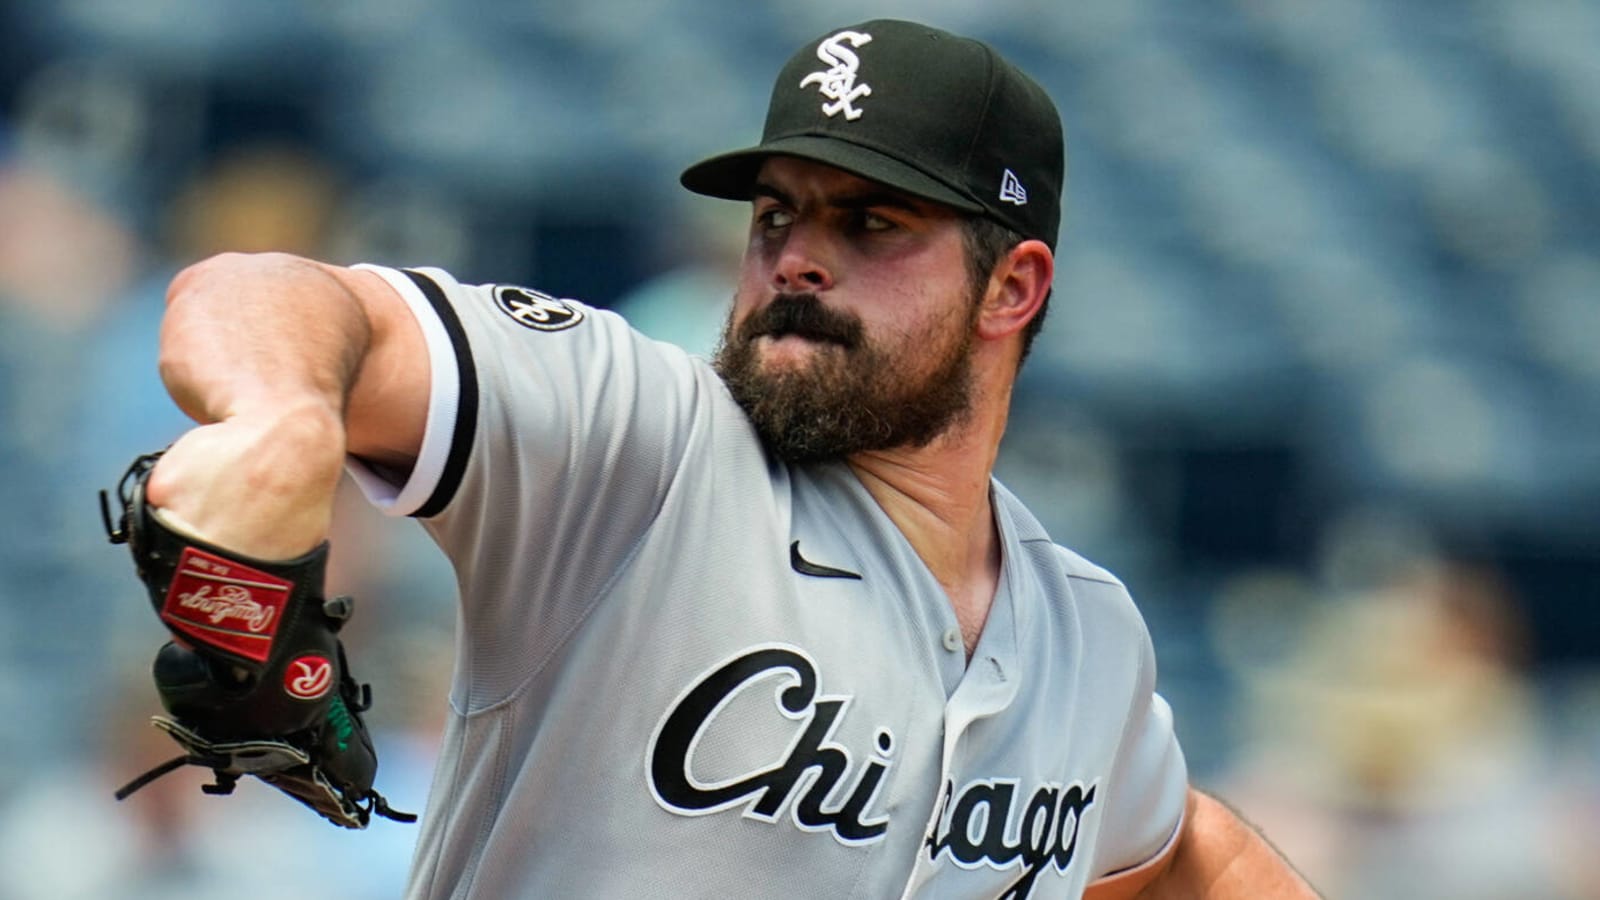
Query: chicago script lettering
[[813, 766], [1046, 834]]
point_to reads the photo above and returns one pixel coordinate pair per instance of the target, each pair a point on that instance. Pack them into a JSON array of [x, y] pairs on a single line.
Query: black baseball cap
[[930, 113]]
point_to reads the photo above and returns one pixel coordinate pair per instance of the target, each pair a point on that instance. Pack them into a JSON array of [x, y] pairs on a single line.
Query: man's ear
[[1017, 289]]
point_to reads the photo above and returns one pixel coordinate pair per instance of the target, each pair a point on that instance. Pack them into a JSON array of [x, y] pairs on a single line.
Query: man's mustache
[[803, 315]]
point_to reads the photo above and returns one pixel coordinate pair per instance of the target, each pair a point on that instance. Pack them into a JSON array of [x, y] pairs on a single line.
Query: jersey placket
[[987, 689]]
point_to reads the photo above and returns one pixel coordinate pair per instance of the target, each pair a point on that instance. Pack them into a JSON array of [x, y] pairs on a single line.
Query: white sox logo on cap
[[838, 83]]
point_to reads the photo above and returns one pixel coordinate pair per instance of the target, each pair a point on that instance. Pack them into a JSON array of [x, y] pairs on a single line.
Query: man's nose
[[800, 265]]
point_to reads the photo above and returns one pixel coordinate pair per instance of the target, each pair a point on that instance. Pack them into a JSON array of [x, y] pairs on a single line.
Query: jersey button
[[952, 639]]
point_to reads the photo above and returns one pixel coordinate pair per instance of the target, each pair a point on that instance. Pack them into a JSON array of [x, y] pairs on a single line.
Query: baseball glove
[[255, 681]]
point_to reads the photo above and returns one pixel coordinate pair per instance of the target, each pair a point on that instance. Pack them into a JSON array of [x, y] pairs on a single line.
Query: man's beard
[[852, 396]]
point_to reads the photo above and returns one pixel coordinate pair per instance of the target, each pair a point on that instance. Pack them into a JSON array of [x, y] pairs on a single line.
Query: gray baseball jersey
[[687, 669]]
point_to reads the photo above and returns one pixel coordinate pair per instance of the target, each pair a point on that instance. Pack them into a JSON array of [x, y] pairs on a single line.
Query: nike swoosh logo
[[806, 567]]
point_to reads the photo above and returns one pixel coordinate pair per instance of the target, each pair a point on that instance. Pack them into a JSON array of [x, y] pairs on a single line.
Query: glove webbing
[[226, 779]]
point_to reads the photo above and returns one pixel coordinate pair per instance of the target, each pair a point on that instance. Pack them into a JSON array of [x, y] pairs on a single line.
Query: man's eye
[[775, 218], [871, 222]]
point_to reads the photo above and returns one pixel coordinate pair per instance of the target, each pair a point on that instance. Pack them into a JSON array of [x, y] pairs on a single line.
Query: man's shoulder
[[1076, 587], [1079, 568], [1084, 586], [1029, 533]]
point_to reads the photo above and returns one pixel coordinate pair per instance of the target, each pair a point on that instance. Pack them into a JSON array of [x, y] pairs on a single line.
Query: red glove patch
[[226, 605]]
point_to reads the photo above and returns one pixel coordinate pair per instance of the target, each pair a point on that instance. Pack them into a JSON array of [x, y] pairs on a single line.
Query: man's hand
[[260, 485]]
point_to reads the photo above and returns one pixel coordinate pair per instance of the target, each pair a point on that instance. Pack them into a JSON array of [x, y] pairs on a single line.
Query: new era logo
[[1011, 190]]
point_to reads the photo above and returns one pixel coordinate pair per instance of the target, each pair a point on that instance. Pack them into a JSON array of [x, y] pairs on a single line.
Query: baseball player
[[763, 626]]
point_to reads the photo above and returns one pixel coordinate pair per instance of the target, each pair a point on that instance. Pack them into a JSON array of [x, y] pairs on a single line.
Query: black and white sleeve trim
[[452, 404]]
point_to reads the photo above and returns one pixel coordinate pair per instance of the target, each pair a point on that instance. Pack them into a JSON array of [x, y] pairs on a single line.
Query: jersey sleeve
[[1148, 792], [553, 432]]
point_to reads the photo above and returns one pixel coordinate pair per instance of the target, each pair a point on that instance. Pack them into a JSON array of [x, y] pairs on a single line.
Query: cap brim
[[732, 175]]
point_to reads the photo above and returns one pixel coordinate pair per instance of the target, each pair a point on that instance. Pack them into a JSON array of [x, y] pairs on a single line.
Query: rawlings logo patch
[[308, 677], [536, 310], [225, 605]]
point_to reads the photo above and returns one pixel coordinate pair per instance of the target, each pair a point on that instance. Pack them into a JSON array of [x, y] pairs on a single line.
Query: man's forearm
[[1221, 857], [262, 351]]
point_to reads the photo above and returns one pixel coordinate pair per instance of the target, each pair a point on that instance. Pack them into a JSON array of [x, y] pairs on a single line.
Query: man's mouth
[[810, 337]]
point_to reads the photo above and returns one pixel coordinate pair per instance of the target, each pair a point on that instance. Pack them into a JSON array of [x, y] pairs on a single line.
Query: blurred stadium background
[[1321, 380]]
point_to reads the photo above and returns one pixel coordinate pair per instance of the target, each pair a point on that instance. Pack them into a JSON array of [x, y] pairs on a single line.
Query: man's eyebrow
[[762, 189], [854, 201]]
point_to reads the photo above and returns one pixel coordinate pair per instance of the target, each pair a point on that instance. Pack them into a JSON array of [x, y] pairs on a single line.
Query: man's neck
[[939, 497]]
